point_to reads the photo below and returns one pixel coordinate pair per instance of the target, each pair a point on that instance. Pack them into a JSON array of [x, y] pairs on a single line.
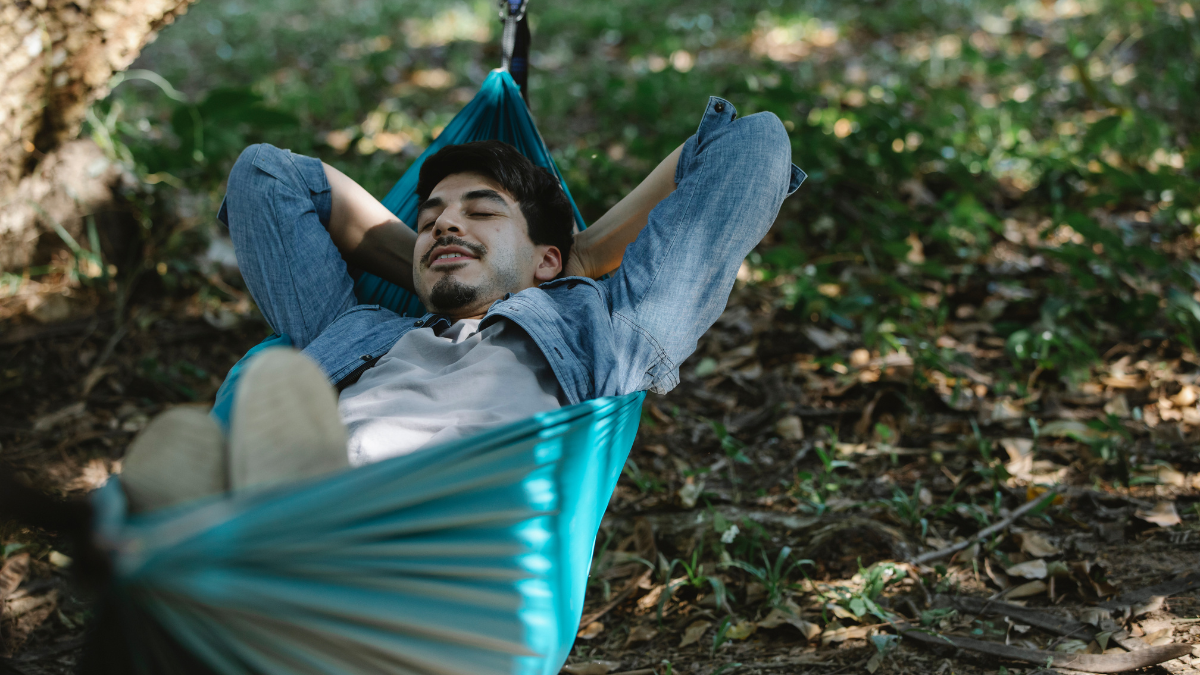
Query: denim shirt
[[632, 330]]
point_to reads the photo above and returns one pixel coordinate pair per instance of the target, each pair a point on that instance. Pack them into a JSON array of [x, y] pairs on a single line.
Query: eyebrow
[[483, 193], [489, 195], [430, 203]]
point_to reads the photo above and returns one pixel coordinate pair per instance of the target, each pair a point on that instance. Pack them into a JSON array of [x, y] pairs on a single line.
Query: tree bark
[[56, 59]]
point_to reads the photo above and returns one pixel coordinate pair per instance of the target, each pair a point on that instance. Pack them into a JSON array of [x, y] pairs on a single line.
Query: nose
[[446, 224]]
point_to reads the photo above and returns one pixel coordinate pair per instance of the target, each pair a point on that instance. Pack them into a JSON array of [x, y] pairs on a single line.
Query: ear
[[550, 264]]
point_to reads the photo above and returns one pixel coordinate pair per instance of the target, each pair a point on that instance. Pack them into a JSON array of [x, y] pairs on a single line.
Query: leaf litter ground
[[970, 299], [768, 514]]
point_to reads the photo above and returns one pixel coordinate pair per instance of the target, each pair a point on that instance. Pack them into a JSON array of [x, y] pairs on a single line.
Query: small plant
[[910, 509], [773, 577], [644, 482], [883, 645], [601, 564], [719, 638], [734, 451], [991, 469], [694, 576], [814, 490], [876, 578], [1109, 442]]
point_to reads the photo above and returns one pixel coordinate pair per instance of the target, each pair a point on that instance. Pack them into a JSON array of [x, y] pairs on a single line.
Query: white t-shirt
[[429, 389]]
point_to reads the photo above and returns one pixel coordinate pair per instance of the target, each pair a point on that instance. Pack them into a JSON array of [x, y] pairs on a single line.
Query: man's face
[[473, 246]]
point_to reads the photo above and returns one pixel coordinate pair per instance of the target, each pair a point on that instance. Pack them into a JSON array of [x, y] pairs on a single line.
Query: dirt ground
[[856, 468]]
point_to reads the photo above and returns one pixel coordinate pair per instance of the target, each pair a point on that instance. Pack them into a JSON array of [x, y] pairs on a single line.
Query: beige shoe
[[285, 425], [178, 457]]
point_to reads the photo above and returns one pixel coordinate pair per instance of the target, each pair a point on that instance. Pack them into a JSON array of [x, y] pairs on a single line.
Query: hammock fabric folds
[[471, 557]]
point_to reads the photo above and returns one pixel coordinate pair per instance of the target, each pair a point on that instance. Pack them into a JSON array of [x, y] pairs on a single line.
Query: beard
[[449, 294]]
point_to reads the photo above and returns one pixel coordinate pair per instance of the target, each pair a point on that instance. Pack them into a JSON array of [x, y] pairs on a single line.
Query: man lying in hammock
[[518, 321]]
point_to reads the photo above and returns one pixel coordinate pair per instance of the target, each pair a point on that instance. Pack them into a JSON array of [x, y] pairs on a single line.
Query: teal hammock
[[470, 557]]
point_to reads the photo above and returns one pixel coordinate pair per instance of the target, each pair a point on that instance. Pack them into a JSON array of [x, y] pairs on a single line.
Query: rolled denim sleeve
[[675, 279]]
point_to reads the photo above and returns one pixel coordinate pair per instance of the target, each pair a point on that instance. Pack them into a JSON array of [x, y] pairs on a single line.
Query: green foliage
[[812, 491], [1033, 163], [773, 576], [719, 637], [645, 482], [694, 576], [875, 579], [908, 508]]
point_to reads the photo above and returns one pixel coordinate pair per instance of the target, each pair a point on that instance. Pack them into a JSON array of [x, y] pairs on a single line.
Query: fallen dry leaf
[[650, 599], [694, 632], [778, 617], [836, 632], [1119, 406], [1163, 514], [789, 428], [998, 577], [590, 631], [1037, 545], [1072, 646], [916, 250], [826, 341], [1186, 396], [1033, 569], [1095, 616], [13, 573], [591, 668], [741, 630], [690, 492], [1164, 474], [641, 634], [840, 612], [1026, 590], [1154, 604], [24, 605], [51, 420], [25, 615]]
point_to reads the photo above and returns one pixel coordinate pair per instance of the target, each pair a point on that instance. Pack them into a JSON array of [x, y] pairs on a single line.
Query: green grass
[[1026, 165]]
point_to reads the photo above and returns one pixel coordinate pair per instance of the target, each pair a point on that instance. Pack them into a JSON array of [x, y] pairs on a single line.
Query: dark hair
[[542, 200]]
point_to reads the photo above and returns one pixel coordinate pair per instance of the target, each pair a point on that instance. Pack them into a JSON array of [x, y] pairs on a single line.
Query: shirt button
[[365, 357], [417, 323], [719, 107]]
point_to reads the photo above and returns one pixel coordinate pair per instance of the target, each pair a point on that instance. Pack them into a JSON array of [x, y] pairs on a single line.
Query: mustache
[[477, 250]]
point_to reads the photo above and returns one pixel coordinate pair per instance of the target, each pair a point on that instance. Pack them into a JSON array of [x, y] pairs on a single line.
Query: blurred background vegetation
[[1027, 168]]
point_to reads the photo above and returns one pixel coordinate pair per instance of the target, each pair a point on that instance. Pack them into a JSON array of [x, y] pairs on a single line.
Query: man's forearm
[[369, 236], [605, 241]]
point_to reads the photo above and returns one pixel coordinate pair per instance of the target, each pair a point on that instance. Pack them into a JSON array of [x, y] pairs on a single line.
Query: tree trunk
[[56, 59]]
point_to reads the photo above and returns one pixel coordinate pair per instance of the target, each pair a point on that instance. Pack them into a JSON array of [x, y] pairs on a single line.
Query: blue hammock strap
[[514, 42]]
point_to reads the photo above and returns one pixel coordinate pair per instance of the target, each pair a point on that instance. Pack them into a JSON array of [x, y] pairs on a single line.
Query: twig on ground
[[783, 663], [1165, 589], [1096, 663], [985, 532], [633, 583], [1034, 617]]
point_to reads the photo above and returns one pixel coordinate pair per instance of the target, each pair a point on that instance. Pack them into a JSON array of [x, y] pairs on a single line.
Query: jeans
[[277, 209]]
